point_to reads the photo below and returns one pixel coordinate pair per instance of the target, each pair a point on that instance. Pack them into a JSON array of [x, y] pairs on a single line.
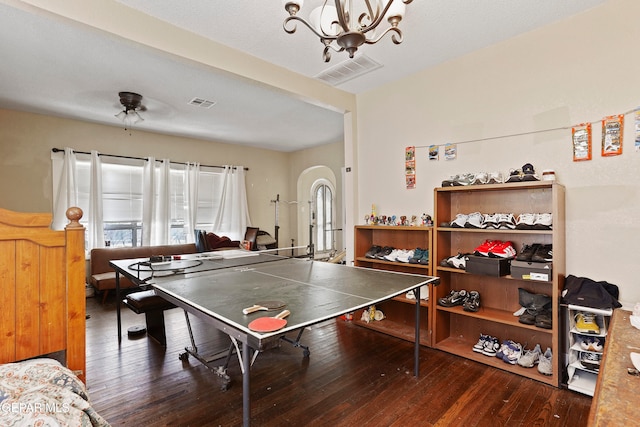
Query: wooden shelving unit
[[399, 313], [455, 330]]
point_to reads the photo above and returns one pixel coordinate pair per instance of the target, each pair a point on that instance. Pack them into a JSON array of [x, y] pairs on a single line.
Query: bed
[[42, 322]]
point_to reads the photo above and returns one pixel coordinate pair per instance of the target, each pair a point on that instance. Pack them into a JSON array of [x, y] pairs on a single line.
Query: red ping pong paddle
[[269, 324], [264, 305]]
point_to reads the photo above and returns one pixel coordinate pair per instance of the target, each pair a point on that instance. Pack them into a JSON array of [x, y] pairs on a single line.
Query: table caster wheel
[[306, 353], [183, 356]]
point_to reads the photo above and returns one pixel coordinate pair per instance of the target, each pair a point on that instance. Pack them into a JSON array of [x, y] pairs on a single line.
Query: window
[[323, 197]]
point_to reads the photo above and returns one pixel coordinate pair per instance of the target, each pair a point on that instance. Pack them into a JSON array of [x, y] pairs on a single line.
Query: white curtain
[[66, 194], [156, 213], [232, 218], [192, 171], [96, 224]]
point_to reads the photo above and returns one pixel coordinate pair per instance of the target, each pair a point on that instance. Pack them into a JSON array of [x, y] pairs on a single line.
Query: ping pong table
[[216, 287]]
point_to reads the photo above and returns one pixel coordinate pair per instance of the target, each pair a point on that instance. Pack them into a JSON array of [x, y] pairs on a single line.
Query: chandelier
[[349, 24], [131, 104]]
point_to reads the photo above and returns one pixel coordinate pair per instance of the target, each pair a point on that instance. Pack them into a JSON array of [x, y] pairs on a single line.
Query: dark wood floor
[[353, 377]]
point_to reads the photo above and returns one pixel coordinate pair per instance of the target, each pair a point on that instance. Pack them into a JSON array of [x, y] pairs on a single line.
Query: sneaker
[[591, 344], [504, 348], [530, 357], [586, 323], [454, 298], [495, 178], [393, 255], [525, 221], [486, 247], [472, 303], [449, 182], [543, 221], [480, 178], [506, 221], [475, 220], [384, 252], [543, 253], [417, 254], [527, 251], [457, 261], [502, 250], [491, 347], [459, 221], [528, 173], [590, 360], [405, 255], [491, 221], [545, 364], [477, 347], [463, 179], [544, 319], [515, 175], [371, 253], [513, 353], [424, 259]]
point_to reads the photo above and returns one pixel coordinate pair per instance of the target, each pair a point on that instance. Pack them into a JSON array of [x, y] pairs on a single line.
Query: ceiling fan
[[132, 104]]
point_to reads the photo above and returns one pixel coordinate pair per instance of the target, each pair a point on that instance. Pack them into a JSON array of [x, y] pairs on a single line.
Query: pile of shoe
[[536, 252], [473, 179], [586, 323], [536, 309], [470, 301], [534, 221], [524, 174], [495, 249], [389, 253], [514, 353]]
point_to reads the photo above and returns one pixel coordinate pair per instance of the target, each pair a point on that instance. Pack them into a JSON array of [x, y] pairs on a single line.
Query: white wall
[[578, 70]]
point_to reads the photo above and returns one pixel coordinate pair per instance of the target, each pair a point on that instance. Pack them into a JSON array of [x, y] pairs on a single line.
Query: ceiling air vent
[[200, 102], [349, 69]]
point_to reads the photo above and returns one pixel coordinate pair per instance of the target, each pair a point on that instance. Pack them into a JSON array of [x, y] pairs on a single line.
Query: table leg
[[118, 306], [246, 386], [416, 354]]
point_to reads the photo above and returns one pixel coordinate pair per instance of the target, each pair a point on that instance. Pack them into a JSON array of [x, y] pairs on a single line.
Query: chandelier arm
[[343, 20], [293, 30], [396, 38], [326, 55]]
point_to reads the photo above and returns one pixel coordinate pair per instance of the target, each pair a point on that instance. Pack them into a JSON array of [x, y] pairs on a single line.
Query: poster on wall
[[612, 127], [410, 167], [581, 139], [450, 151], [434, 152]]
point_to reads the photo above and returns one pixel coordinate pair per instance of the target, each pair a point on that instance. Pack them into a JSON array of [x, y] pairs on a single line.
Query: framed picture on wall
[[581, 140], [612, 127]]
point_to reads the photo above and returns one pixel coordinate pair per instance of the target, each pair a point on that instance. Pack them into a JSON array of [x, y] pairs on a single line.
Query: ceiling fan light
[[121, 115]]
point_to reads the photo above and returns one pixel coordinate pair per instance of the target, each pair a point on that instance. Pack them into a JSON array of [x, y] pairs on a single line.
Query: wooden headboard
[[42, 289]]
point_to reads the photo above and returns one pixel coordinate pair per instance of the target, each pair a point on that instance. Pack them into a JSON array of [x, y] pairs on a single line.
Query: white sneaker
[[545, 366], [404, 255], [393, 256], [459, 221], [495, 178], [506, 221], [475, 220], [480, 178], [543, 221], [525, 221], [491, 221]]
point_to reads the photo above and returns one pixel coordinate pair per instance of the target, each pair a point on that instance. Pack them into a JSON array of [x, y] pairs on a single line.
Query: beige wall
[[578, 70], [26, 141]]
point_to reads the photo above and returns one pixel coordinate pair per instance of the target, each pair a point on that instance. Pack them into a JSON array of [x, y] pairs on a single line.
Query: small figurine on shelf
[[366, 219], [426, 220], [383, 220], [392, 221], [403, 220], [375, 220], [414, 220]]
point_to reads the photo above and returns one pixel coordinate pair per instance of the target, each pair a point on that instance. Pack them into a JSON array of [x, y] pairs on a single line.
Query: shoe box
[[531, 270], [487, 266]]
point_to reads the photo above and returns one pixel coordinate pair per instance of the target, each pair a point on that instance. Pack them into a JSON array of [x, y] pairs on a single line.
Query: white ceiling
[[53, 66]]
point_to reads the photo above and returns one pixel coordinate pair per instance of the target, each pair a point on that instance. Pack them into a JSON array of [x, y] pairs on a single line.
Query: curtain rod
[[59, 150]]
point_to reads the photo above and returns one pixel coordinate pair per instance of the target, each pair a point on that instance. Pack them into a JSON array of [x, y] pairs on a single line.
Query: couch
[[102, 276]]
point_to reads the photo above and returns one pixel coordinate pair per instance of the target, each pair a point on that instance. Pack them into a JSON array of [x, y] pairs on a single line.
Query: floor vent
[[349, 69]]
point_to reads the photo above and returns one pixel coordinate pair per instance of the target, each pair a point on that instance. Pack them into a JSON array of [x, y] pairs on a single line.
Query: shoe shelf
[[455, 330], [582, 377], [399, 313]]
